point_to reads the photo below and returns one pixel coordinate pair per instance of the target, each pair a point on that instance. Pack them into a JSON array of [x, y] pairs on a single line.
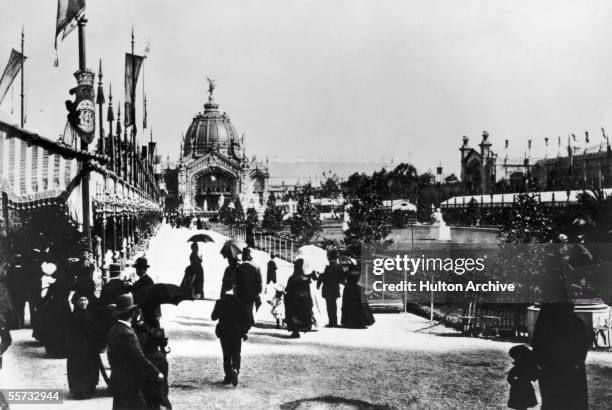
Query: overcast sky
[[353, 79]]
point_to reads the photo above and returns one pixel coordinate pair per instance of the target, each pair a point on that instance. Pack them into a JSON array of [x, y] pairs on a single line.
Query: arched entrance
[[209, 185]]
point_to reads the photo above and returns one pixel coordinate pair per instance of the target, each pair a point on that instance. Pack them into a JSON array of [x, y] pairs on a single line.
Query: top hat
[[141, 263], [114, 267], [125, 303]]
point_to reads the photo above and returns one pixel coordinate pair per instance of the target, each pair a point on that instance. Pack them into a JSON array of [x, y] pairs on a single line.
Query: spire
[[100, 95], [119, 120], [110, 117]]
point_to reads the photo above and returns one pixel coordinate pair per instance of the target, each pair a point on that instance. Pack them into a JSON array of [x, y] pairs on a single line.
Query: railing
[[230, 231], [286, 249]]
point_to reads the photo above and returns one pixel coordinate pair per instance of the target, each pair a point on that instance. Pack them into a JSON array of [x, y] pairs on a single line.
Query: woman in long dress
[[83, 346], [356, 312], [193, 281], [298, 301]]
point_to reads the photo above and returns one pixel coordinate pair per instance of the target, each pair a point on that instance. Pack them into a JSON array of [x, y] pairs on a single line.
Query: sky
[[351, 79]]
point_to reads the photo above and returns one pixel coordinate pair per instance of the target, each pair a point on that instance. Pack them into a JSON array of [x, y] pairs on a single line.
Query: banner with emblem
[[81, 111], [133, 63]]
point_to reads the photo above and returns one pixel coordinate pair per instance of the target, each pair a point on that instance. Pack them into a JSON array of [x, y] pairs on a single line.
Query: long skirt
[[83, 373]]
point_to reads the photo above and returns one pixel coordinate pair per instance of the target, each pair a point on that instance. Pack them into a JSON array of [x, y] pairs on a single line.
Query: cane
[[103, 372]]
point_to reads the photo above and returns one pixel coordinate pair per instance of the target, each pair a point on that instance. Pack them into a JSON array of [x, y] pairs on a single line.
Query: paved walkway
[[393, 363]]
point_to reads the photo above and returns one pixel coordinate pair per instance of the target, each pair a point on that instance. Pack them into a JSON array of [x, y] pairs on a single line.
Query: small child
[[278, 307], [525, 370]]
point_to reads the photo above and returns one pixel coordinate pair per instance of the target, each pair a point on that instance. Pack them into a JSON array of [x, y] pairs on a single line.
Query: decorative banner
[[11, 70], [133, 63], [68, 14], [81, 112]]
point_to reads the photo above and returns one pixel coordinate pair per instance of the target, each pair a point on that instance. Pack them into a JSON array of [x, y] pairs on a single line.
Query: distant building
[[212, 166], [478, 168]]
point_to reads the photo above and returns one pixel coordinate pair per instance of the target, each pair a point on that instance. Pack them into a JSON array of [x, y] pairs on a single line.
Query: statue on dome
[[211, 86]]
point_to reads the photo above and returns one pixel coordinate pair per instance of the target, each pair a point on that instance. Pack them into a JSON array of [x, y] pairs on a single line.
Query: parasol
[[315, 258], [233, 248], [160, 293], [201, 237]]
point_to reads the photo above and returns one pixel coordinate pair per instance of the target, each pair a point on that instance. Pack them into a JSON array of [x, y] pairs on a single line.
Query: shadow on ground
[[325, 402]]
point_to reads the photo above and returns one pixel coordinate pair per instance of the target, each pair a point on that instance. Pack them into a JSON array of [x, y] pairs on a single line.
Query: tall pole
[[22, 78], [110, 129], [133, 91], [84, 145], [100, 101]]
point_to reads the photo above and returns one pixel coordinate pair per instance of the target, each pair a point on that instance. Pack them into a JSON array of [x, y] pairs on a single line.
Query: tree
[[273, 215], [237, 213], [330, 187], [252, 219], [225, 214], [306, 222], [369, 220], [528, 222]]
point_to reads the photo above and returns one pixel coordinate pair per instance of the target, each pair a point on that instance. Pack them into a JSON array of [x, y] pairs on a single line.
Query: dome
[[210, 131]]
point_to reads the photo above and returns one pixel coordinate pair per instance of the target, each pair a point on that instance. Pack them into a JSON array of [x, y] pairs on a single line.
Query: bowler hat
[[114, 267], [125, 303], [141, 263]]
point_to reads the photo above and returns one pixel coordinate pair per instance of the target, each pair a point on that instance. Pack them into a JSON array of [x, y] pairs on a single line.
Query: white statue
[[205, 205], [437, 218]]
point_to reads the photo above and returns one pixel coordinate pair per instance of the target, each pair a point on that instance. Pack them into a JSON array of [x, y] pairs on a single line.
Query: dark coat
[[84, 285], [356, 312], [248, 282], [233, 319], [522, 393], [271, 273], [193, 280], [153, 340], [111, 290], [298, 303], [229, 278], [560, 344], [82, 353], [144, 280], [129, 368], [331, 279]]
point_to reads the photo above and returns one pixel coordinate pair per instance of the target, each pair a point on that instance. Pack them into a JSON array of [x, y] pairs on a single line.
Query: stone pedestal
[[440, 232], [591, 315]]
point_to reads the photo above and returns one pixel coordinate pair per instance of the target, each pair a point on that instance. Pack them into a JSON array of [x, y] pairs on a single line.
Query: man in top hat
[[129, 366], [330, 279], [141, 266], [114, 287], [248, 283]]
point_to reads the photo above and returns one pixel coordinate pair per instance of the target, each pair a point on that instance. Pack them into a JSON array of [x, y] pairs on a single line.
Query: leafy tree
[[306, 222], [273, 215], [330, 187], [252, 219], [528, 222], [237, 213], [451, 179], [369, 220]]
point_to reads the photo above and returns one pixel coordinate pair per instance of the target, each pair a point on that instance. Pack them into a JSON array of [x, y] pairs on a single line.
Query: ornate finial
[[466, 140], [100, 71], [110, 92], [485, 136], [211, 87]]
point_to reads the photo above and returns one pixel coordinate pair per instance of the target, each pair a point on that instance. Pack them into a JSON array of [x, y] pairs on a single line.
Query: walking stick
[[103, 372]]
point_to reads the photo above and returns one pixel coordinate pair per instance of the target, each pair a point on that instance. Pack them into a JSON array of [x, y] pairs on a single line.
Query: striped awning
[[31, 172]]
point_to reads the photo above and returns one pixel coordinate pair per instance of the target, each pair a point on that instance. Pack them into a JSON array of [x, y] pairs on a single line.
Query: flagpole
[[84, 145], [22, 78]]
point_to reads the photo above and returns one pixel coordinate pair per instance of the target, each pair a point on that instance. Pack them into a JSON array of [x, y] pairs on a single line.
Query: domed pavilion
[[213, 163]]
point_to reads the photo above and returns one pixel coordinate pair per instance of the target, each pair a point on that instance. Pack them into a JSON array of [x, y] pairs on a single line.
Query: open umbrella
[[315, 258], [201, 237], [233, 248], [160, 293]]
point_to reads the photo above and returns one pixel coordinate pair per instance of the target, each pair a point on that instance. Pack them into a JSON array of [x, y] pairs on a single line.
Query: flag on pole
[[68, 14], [11, 70], [570, 154], [144, 112], [586, 136], [546, 141], [506, 144], [133, 63]]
